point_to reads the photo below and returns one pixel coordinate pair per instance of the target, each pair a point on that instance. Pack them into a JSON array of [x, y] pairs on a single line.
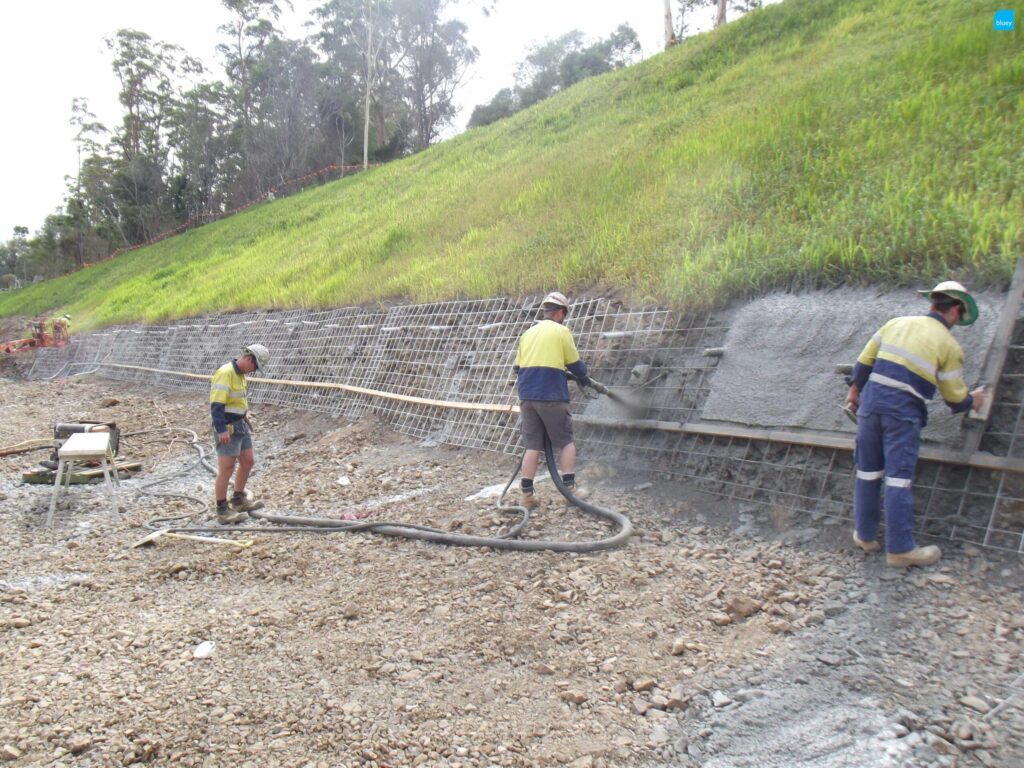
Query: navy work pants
[[887, 448]]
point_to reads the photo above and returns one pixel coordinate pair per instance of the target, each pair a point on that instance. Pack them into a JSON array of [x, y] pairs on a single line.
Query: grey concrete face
[[778, 370]]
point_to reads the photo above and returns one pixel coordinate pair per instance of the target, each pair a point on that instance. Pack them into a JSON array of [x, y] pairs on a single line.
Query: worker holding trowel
[[233, 433], [896, 375], [545, 352]]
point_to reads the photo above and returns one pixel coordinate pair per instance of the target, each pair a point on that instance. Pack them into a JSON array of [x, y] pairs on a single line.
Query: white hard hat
[[555, 300], [259, 353], [955, 290]]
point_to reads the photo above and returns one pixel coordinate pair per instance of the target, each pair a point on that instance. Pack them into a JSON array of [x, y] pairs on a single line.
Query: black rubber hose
[[293, 523]]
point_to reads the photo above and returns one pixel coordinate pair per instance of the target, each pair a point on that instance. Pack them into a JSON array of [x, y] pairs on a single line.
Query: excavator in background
[[43, 332]]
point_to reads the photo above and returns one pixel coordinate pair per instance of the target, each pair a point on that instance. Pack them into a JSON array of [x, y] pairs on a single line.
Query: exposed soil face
[[720, 636]]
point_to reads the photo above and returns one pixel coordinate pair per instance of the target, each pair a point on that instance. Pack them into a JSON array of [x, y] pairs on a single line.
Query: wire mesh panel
[[442, 373]]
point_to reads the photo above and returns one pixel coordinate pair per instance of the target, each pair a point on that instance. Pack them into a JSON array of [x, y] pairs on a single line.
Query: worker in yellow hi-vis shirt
[[545, 352], [902, 367], [228, 409]]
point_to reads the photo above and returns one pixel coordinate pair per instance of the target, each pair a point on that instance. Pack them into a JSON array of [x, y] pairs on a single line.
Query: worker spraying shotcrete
[[233, 432], [545, 352], [895, 376]]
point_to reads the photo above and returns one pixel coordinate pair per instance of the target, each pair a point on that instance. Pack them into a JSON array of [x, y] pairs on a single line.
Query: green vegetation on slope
[[809, 143]]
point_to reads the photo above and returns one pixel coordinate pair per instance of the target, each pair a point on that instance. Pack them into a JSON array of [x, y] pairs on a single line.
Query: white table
[[83, 447]]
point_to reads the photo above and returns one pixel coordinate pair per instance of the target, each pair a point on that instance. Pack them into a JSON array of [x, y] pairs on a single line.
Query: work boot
[[868, 546], [528, 499], [242, 501], [226, 517], [916, 556]]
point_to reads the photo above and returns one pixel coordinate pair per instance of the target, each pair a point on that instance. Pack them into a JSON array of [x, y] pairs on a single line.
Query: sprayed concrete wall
[[442, 373], [778, 369]]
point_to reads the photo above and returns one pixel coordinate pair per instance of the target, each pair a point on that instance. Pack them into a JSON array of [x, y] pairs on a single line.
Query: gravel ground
[[720, 636]]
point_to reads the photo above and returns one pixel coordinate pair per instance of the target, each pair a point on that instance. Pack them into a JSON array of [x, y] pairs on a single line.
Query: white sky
[[52, 51]]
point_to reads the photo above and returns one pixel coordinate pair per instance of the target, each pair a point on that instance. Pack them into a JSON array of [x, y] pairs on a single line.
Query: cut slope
[[810, 142]]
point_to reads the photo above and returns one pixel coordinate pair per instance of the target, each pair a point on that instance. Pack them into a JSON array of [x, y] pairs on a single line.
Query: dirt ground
[[721, 635]]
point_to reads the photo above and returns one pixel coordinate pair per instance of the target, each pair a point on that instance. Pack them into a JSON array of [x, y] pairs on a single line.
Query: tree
[[145, 70], [205, 159], [365, 28], [434, 56], [504, 104], [250, 31], [674, 34], [556, 65]]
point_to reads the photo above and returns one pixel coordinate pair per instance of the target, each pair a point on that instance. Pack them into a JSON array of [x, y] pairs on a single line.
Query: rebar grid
[[463, 351]]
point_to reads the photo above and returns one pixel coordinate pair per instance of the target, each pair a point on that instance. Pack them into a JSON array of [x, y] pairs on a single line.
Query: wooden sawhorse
[[83, 447]]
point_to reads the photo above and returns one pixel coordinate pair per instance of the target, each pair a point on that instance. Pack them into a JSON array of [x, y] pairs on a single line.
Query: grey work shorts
[[538, 416], [241, 440]]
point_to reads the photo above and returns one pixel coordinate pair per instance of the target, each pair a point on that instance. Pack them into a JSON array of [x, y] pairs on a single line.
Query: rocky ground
[[720, 636]]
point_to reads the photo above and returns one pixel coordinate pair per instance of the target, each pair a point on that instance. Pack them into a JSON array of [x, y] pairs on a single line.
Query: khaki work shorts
[[538, 416]]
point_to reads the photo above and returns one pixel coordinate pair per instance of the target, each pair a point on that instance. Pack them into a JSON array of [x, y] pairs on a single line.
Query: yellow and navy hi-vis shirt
[[905, 362], [227, 396], [544, 353]]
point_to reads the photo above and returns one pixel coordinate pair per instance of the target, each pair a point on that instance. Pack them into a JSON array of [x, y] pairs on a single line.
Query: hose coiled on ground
[[505, 542]]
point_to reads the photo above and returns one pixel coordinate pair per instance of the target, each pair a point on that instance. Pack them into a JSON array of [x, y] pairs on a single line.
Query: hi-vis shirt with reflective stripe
[[906, 361], [229, 387], [544, 353]]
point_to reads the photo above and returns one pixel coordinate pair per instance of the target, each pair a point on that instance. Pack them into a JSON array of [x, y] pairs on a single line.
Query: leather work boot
[[244, 502], [867, 546], [529, 500], [916, 556], [226, 517]]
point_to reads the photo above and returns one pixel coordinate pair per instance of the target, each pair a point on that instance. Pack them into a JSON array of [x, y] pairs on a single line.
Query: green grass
[[812, 143]]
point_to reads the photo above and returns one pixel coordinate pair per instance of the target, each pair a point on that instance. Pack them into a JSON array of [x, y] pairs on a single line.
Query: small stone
[[109, 402], [644, 684], [978, 705], [350, 611], [20, 622], [573, 697], [79, 744], [834, 608], [941, 746], [721, 619], [678, 647], [780, 627], [719, 699], [830, 659], [542, 669], [659, 735], [742, 606], [9, 752]]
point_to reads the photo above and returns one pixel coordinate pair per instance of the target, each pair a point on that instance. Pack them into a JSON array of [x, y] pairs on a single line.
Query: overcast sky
[[52, 51]]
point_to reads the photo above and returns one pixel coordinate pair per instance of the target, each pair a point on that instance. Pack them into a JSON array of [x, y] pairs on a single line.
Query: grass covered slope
[[811, 142]]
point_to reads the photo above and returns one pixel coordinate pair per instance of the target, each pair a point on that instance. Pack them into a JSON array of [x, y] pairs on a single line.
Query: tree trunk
[[369, 84], [720, 16], [670, 32]]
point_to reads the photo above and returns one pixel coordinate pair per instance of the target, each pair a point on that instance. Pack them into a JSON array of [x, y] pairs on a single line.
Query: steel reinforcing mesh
[[463, 351]]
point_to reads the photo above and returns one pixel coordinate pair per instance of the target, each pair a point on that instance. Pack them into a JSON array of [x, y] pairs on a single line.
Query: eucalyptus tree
[[361, 30], [284, 84], [435, 58], [251, 29], [557, 64], [205, 160], [146, 71]]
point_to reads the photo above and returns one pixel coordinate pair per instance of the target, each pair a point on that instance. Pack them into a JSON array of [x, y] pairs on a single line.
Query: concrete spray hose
[[506, 541]]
